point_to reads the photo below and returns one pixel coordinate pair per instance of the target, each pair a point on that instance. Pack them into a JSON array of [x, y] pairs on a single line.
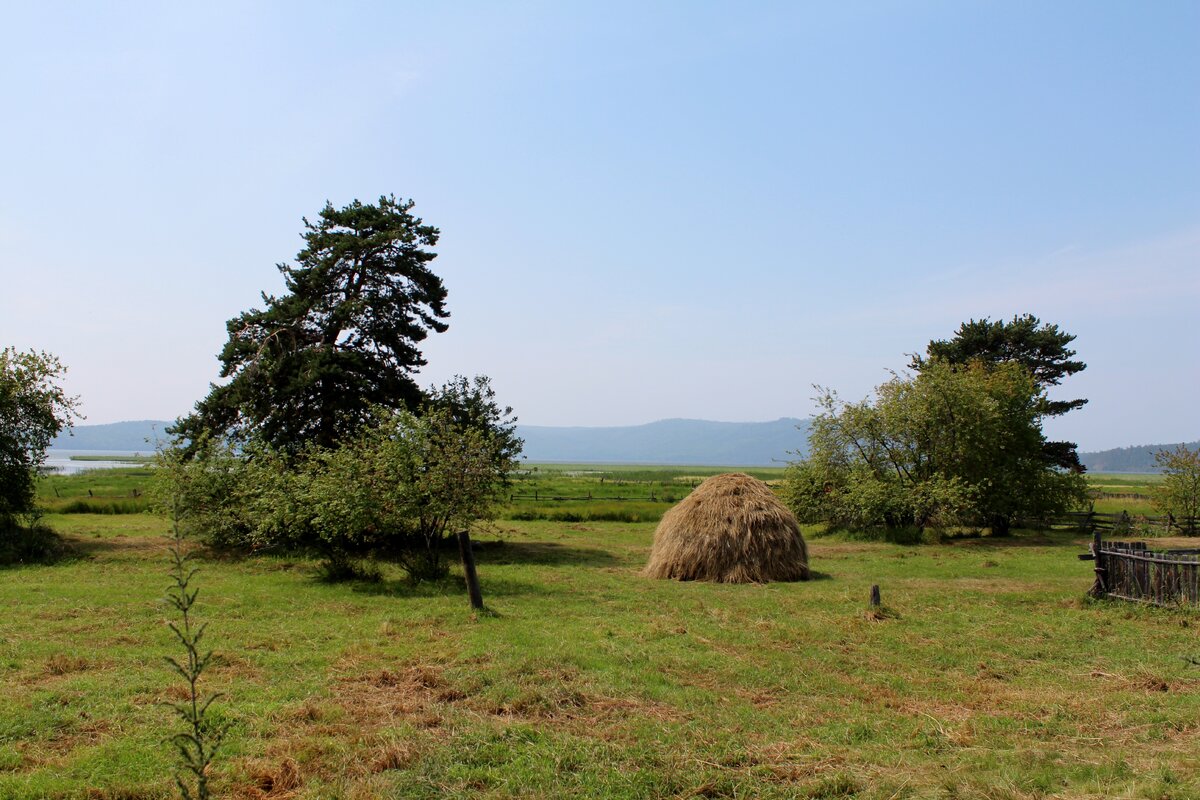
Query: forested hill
[[670, 441], [1139, 458], [139, 435]]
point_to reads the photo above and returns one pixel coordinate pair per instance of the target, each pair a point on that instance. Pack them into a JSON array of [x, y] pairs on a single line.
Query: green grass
[[1117, 492], [99, 491], [994, 678], [989, 677], [604, 493]]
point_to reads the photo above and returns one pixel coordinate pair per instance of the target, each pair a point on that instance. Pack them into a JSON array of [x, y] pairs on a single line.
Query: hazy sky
[[647, 210]]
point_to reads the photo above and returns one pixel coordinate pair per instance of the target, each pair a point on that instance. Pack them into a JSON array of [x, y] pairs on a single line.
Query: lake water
[[60, 461]]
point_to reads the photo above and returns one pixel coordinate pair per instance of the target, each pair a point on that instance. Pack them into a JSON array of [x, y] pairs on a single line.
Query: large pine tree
[[309, 366]]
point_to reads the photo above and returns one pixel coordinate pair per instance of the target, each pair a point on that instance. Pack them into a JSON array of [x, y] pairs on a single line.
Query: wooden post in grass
[[1100, 587], [468, 562], [875, 600]]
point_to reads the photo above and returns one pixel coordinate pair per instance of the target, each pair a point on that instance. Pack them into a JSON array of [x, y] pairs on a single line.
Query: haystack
[[730, 529]]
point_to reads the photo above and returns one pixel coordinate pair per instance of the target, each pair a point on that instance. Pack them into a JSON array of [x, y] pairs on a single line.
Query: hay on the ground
[[730, 529]]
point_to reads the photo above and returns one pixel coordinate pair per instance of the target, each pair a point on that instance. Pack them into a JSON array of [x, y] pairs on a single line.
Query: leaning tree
[[313, 363]]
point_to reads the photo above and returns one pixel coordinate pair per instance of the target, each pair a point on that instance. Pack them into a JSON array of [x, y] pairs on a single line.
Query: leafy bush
[[33, 410], [1178, 495], [398, 487]]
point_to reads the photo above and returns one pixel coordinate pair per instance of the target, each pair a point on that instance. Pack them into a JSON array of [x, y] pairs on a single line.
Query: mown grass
[[992, 677]]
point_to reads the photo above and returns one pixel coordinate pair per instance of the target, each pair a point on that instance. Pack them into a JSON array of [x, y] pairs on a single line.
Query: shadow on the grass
[[542, 553], [1018, 539], [454, 585], [34, 546]]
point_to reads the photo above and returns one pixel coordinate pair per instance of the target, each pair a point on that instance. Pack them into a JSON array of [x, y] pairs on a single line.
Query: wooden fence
[[1132, 571], [1123, 523]]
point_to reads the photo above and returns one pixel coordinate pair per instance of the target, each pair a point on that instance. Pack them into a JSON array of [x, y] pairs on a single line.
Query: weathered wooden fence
[[1132, 571], [1124, 523]]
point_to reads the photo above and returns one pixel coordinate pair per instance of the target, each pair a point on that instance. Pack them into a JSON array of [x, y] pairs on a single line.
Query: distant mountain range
[[668, 441], [1139, 458], [139, 435], [672, 441]]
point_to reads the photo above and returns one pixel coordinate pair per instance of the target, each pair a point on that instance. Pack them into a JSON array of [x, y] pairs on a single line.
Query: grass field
[[551, 492], [1119, 492], [599, 493], [991, 677], [99, 491]]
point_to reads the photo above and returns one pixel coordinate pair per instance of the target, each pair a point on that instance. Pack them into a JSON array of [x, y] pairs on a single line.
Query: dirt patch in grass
[[66, 663], [275, 780], [358, 712], [227, 666], [119, 544]]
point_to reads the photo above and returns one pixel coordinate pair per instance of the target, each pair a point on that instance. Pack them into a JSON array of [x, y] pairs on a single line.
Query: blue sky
[[647, 210]]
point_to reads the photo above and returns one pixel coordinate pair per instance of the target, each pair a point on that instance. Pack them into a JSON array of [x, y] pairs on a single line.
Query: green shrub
[[399, 488], [131, 506]]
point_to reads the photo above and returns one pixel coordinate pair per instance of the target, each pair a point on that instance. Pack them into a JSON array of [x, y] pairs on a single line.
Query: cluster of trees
[[957, 441], [320, 438]]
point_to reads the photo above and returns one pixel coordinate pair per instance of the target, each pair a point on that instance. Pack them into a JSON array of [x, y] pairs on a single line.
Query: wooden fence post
[[468, 562], [875, 599], [1099, 588]]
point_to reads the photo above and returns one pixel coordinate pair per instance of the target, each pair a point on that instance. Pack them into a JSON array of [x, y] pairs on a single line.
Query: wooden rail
[[1123, 522]]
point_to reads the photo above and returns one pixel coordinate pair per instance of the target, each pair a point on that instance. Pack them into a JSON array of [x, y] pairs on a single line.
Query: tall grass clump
[[103, 506]]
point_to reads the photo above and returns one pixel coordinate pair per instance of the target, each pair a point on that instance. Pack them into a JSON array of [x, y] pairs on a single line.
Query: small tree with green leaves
[[403, 485], [1179, 492], [33, 410]]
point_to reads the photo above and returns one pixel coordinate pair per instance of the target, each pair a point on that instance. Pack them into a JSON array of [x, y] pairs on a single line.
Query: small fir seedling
[[198, 743]]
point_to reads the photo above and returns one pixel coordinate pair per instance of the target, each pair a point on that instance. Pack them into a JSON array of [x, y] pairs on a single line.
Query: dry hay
[[731, 529]]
